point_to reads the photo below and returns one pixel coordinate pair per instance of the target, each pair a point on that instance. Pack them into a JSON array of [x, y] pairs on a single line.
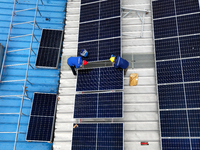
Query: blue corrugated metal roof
[[44, 80]]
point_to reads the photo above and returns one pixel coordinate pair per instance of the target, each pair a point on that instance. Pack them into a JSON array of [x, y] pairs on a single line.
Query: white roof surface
[[140, 102]]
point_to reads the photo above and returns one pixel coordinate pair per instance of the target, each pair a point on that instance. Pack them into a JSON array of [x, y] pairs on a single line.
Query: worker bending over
[[120, 63], [75, 62]]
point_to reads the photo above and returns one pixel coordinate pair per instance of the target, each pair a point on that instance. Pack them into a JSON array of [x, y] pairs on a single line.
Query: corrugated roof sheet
[[43, 80]]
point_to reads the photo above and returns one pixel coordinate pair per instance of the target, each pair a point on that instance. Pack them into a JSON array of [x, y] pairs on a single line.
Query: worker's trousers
[[73, 70]]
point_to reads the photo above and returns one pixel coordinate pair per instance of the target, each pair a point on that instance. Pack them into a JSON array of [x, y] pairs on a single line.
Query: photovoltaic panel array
[[98, 136], [41, 121], [99, 79], [100, 29], [99, 105], [177, 42], [49, 49]]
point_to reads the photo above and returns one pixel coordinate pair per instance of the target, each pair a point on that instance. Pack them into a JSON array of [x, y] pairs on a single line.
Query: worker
[[75, 62], [120, 63]]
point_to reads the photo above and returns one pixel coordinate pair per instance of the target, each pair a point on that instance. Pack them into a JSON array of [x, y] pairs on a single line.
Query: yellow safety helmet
[[112, 59]]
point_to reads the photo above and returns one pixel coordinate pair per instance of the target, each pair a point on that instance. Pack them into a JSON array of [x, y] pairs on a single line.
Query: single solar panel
[[192, 95], [191, 69], [108, 78], [167, 49], [99, 105], [189, 24], [174, 123], [165, 28], [163, 8], [171, 96], [190, 46], [89, 12], [98, 136], [176, 144], [41, 121], [169, 71], [185, 6], [49, 49], [110, 8], [40, 129]]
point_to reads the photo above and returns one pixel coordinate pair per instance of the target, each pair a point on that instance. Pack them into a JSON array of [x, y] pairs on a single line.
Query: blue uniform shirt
[[121, 63], [74, 61]]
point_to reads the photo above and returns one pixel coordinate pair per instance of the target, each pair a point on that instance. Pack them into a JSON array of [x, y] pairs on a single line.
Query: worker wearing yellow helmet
[[119, 63]]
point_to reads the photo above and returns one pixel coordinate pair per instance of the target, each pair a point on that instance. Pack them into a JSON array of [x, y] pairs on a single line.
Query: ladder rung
[[25, 9]]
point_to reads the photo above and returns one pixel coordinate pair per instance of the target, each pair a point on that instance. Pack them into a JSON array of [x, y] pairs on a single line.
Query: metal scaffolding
[[9, 38]]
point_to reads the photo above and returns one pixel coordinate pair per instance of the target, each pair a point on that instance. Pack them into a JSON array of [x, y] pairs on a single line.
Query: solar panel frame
[[98, 107], [54, 117], [46, 67], [99, 81], [97, 128]]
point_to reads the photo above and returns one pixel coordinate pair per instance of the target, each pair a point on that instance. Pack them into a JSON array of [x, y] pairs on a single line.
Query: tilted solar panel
[[41, 121], [49, 49], [99, 105], [98, 136]]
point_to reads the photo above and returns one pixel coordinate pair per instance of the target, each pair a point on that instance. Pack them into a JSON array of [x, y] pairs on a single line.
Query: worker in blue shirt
[[120, 63], [75, 62]]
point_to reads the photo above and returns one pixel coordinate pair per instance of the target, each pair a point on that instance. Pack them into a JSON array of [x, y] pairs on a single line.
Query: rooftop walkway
[[42, 80]]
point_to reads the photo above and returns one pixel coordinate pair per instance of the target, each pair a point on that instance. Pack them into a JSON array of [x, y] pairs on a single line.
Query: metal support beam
[[40, 13], [42, 2], [20, 36], [32, 66], [15, 65], [18, 50], [29, 82], [13, 81], [24, 10], [36, 38], [33, 51], [37, 25], [28, 22]]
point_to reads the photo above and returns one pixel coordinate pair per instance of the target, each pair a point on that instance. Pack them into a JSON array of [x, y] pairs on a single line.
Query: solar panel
[[97, 136], [41, 121], [96, 79], [177, 60], [100, 24], [88, 1], [99, 105], [49, 49]]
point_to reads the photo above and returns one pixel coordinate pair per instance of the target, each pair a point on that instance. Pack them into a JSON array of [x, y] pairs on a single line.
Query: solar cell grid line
[[169, 71], [163, 8], [165, 28], [111, 78], [185, 6], [171, 96], [110, 8], [190, 46], [98, 136], [174, 123], [44, 104], [110, 105], [189, 24], [167, 49], [87, 79], [89, 12]]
